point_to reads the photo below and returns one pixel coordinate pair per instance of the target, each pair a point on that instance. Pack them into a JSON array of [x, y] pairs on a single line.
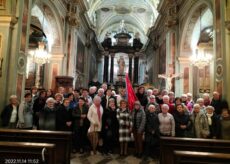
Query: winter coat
[[47, 119], [152, 133], [63, 115], [110, 124], [77, 120], [6, 115], [140, 120], [25, 115], [199, 128], [181, 119], [93, 118]]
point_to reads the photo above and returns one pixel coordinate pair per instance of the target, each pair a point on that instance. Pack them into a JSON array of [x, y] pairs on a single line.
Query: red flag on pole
[[130, 94]]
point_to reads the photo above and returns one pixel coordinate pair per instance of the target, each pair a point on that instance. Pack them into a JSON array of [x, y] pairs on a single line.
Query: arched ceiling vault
[[139, 15]]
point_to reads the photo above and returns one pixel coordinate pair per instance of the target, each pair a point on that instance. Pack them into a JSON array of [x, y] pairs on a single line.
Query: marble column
[[130, 66], [136, 68], [106, 68], [111, 67]]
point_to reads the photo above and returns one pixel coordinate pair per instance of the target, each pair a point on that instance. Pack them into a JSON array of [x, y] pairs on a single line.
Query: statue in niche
[[121, 65]]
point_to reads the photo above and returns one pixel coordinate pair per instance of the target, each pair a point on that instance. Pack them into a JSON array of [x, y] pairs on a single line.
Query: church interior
[[58, 52]]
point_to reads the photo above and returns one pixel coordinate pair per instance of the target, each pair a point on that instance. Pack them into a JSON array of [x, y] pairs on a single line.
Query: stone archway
[[45, 16], [189, 39]]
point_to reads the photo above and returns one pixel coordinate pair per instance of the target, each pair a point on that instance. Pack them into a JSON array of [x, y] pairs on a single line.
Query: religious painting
[[93, 68], [2, 4], [19, 86], [186, 79], [31, 73], [54, 74], [162, 62], [80, 56], [24, 25]]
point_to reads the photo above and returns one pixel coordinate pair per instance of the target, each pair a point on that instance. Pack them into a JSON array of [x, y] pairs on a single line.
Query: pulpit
[[64, 81]]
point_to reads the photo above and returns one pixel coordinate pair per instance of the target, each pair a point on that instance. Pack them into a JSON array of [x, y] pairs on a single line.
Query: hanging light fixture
[[40, 56], [200, 59]]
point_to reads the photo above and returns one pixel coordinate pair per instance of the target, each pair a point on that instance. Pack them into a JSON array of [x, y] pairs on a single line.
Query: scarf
[[209, 119], [98, 113]]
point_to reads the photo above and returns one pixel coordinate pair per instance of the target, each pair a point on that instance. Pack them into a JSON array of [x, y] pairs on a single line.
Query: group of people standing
[[101, 121]]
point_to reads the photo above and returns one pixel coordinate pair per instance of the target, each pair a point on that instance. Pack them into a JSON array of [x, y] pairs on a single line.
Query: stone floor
[[109, 159]]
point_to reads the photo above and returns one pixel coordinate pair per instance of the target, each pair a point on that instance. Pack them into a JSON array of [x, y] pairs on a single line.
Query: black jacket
[[47, 119], [104, 101], [214, 129], [6, 115], [76, 117], [63, 115], [110, 124], [181, 119], [143, 99], [152, 133]]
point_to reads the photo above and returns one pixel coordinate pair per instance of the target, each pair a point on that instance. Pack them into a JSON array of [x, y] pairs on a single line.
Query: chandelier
[[201, 60], [40, 55]]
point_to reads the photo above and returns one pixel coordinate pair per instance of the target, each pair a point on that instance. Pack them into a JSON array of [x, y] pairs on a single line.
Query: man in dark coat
[[217, 103]]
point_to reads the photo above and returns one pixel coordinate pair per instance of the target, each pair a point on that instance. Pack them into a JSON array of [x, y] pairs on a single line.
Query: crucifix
[[168, 79]]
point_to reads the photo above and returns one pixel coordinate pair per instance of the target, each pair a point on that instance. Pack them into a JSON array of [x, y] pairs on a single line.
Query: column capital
[[105, 53], [112, 55], [130, 55]]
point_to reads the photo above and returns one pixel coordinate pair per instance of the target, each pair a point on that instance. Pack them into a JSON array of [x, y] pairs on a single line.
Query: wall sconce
[[1, 65]]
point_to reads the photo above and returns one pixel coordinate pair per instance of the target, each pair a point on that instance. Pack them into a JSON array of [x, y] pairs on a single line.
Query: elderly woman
[[182, 121], [25, 113], [110, 127], [152, 133], [138, 122], [125, 126], [9, 114], [47, 116], [200, 101], [167, 123], [167, 102], [200, 127], [95, 118], [80, 125], [213, 122]]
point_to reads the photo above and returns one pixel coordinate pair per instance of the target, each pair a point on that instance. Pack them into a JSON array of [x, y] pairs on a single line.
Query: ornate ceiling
[[106, 15]]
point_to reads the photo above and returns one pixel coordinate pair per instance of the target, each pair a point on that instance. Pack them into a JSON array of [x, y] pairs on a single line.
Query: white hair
[[97, 98], [101, 90], [13, 97], [196, 106], [199, 100], [150, 91], [151, 105], [50, 99], [184, 95], [210, 107], [165, 106], [189, 94], [166, 97]]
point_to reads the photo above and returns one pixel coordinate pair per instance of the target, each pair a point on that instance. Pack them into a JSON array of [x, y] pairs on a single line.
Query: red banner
[[131, 96]]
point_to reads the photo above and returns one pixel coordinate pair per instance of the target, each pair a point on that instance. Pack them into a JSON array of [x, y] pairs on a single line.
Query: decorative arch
[[53, 24], [190, 22]]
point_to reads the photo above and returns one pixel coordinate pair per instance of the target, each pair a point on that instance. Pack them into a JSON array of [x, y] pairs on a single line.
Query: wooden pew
[[183, 157], [170, 144], [24, 152], [61, 139]]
